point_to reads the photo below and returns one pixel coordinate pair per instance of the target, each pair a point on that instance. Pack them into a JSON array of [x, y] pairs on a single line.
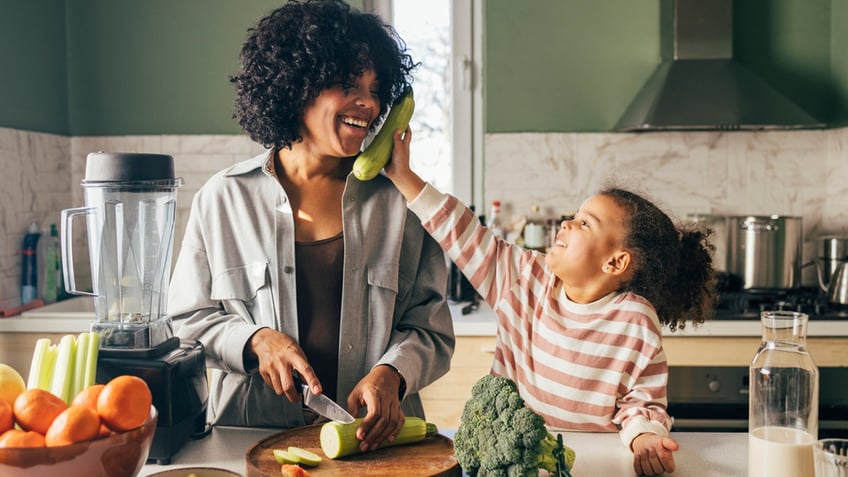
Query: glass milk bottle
[[784, 399]]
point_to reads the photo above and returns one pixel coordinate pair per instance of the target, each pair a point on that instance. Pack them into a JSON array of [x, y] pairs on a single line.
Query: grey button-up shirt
[[235, 274]]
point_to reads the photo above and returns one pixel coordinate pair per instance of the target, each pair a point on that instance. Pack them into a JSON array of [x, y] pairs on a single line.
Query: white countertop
[[701, 454], [481, 322], [76, 314]]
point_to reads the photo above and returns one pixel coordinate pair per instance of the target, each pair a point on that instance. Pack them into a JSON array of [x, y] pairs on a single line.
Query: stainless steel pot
[[765, 251]]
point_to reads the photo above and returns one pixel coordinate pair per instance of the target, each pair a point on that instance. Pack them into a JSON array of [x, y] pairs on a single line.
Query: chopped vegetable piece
[[304, 456], [292, 470], [284, 457]]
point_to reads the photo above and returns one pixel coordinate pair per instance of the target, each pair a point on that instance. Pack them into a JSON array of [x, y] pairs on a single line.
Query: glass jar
[[783, 401]]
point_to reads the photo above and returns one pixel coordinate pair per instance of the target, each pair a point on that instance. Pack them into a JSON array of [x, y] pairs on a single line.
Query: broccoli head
[[499, 435]]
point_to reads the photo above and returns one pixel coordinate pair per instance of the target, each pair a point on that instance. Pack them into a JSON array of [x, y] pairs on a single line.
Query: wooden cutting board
[[432, 457]]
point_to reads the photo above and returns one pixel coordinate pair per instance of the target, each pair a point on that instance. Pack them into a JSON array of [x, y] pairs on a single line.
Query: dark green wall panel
[[553, 65], [33, 94], [839, 61], [155, 66], [127, 67], [575, 65]]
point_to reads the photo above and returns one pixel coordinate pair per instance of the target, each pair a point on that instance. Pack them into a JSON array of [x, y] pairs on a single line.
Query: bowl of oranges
[[105, 430]]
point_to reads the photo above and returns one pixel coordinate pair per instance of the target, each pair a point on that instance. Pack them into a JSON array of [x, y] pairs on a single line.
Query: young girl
[[579, 328]]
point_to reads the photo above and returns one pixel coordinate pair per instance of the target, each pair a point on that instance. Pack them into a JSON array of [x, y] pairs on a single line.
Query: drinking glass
[[831, 456]]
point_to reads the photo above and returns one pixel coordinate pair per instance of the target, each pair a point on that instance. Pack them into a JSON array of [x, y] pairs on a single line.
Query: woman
[[289, 264]]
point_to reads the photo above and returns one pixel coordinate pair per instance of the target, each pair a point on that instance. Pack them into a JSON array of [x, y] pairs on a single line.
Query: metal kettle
[[832, 269], [837, 287]]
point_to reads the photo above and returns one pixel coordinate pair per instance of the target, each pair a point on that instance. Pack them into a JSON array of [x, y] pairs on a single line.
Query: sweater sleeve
[[491, 264]]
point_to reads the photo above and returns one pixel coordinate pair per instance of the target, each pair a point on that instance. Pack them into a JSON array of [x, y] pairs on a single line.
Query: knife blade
[[325, 406]]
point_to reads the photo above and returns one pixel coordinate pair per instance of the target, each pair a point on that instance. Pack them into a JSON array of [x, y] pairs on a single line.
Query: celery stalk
[[91, 360], [63, 371], [83, 343], [47, 368], [36, 368]]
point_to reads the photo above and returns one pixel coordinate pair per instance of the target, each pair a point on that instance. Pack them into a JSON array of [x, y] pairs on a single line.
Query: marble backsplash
[[800, 173]]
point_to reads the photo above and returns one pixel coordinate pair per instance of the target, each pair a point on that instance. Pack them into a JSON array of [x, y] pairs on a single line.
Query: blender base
[[177, 379]]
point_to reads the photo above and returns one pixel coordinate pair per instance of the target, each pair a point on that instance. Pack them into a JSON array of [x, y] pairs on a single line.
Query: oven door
[[715, 399]]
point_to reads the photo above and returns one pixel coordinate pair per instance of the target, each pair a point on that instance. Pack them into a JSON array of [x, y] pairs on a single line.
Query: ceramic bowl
[[197, 472], [118, 454]]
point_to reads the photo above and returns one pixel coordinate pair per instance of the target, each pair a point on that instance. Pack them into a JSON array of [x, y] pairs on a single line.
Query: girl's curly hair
[[673, 266], [301, 49]]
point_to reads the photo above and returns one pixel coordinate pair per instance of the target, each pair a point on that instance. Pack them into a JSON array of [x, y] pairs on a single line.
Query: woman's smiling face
[[585, 244], [336, 122]]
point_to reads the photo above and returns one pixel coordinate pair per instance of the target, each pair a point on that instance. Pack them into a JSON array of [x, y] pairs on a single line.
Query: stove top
[[747, 304]]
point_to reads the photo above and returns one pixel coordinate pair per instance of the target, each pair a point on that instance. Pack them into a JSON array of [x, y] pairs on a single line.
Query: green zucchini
[[339, 439], [371, 161]]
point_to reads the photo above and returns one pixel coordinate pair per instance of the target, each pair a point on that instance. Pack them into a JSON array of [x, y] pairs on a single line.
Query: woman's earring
[[606, 268]]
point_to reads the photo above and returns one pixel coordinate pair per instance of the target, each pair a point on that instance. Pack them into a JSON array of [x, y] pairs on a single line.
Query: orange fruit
[[88, 397], [124, 403], [74, 424], [19, 438], [36, 408], [11, 384], [104, 431], [7, 417]]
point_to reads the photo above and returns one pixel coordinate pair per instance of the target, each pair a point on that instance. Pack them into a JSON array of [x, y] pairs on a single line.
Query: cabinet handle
[[487, 349]]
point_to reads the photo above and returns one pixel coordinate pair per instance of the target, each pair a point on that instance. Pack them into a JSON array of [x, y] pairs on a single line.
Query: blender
[[130, 210]]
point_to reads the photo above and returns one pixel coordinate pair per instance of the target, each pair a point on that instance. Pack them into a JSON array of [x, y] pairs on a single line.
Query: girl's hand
[[398, 170], [653, 454]]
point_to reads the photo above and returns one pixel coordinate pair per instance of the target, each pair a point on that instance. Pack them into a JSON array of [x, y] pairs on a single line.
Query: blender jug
[[130, 207]]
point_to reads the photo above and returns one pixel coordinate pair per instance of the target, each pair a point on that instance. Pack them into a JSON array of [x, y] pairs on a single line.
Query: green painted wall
[[33, 80], [155, 66], [554, 65], [127, 67], [839, 61]]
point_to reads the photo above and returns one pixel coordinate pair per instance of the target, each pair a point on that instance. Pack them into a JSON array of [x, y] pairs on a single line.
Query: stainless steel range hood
[[699, 86]]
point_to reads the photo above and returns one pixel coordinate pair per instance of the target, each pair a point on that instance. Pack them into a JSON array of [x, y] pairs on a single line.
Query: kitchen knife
[[325, 406]]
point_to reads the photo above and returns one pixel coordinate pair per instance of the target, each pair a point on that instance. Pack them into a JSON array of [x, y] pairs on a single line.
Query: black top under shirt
[[319, 267]]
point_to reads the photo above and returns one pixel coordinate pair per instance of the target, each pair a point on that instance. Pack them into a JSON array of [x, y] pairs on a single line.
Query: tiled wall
[[802, 173], [797, 173]]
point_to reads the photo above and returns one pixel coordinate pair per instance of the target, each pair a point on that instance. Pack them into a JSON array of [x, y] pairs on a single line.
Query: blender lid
[[129, 167]]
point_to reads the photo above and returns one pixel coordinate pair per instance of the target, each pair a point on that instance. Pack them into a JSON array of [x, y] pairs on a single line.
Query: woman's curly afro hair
[[301, 49]]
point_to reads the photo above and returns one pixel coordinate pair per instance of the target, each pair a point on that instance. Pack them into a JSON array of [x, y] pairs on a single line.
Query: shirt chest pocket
[[387, 288], [246, 291]]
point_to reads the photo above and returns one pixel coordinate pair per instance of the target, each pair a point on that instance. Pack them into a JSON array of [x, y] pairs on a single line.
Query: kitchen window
[[446, 38]]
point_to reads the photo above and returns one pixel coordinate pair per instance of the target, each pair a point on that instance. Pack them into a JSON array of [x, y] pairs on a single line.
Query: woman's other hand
[[279, 357], [378, 391]]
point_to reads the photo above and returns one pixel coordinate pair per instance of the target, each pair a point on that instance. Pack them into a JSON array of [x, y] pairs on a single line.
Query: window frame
[[467, 94]]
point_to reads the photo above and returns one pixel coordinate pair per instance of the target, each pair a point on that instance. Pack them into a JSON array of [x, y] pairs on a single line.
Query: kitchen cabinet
[[739, 351], [16, 349], [443, 400]]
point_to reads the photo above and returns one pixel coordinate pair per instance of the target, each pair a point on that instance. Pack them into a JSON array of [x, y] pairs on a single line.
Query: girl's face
[[337, 120], [588, 243]]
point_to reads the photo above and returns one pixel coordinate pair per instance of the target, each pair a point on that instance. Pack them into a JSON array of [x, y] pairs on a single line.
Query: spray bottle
[[52, 267], [29, 269]]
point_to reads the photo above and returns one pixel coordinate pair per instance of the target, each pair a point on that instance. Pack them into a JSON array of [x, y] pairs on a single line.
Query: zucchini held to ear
[[371, 161]]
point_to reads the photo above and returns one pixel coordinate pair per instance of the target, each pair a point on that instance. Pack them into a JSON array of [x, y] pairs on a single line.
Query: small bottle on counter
[[29, 265], [534, 231], [495, 222], [52, 267]]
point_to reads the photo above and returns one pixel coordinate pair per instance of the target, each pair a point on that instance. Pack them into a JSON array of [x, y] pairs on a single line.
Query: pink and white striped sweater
[[589, 367]]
